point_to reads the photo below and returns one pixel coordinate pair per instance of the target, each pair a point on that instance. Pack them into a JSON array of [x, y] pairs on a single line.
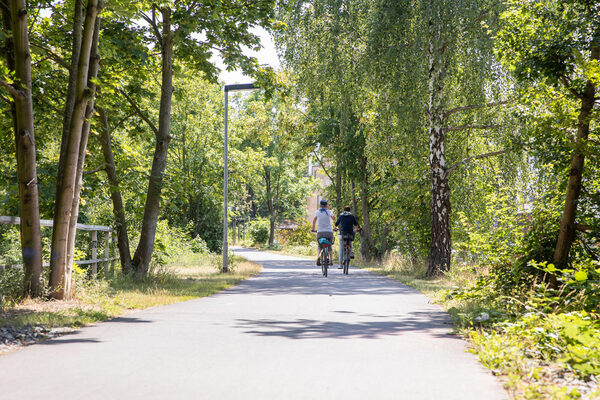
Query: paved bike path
[[288, 333]]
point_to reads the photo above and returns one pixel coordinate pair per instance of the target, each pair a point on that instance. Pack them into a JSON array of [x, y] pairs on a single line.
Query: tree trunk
[[71, 93], [270, 208], [338, 188], [143, 253], [440, 245], [85, 132], [31, 239], [566, 234], [60, 274], [115, 195], [365, 235], [252, 202]]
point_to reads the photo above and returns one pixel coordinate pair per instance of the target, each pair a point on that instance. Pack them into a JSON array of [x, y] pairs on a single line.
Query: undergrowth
[[542, 339]]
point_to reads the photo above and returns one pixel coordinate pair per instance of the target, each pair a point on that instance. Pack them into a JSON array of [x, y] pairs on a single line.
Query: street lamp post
[[228, 88]]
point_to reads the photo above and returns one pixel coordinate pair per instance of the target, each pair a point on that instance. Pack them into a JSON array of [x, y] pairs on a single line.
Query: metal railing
[[109, 239]]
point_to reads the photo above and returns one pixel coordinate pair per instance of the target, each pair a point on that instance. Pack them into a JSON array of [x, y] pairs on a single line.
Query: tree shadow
[[304, 277], [434, 323]]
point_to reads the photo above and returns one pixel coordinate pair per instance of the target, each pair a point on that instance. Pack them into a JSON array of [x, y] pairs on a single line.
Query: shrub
[[258, 230], [170, 244], [302, 235], [10, 245], [11, 286], [199, 245]]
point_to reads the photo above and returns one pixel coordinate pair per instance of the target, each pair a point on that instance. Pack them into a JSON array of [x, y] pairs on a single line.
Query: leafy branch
[[477, 157]]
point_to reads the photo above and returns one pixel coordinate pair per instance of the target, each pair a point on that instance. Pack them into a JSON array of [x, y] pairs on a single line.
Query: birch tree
[[451, 46]]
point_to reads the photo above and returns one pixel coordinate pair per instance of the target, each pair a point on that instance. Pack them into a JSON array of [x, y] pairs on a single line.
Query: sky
[[267, 55]]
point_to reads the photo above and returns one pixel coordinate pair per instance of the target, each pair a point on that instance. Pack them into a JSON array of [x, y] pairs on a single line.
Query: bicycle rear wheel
[[346, 259], [324, 261]]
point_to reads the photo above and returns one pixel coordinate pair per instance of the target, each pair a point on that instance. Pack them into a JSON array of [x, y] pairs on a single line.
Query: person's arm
[[358, 228], [337, 222], [314, 223]]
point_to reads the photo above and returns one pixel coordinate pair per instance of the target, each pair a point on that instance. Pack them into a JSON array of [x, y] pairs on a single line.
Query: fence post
[[94, 254], [112, 261], [106, 253]]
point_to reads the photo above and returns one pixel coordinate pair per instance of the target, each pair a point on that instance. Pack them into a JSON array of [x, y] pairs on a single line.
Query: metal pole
[[225, 177], [94, 254]]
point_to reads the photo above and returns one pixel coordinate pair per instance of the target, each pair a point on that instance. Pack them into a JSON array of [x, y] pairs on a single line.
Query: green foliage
[[560, 33], [258, 230], [302, 235], [170, 243], [10, 248], [199, 246], [569, 338], [11, 286]]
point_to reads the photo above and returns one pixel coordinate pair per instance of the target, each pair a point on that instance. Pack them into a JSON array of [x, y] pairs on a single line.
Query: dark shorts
[[349, 236]]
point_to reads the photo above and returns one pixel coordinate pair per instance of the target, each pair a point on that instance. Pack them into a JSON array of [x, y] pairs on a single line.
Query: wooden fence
[[109, 239]]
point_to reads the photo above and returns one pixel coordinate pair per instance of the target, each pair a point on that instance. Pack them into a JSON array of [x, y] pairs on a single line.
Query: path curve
[[288, 333]]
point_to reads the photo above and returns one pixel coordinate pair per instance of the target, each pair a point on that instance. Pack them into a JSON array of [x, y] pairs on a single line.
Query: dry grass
[[189, 278]]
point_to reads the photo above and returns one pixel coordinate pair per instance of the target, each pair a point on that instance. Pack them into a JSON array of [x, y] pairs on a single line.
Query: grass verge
[[536, 354], [191, 277]]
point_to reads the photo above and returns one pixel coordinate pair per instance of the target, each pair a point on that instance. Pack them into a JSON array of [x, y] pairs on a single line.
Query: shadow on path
[[430, 322]]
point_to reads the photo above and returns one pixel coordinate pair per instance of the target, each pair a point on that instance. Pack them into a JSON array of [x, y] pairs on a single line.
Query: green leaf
[[581, 276]]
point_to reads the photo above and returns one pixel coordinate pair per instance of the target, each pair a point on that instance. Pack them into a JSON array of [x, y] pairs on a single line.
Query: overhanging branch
[[53, 56], [469, 159], [139, 112], [100, 168], [15, 92], [463, 127], [475, 106]]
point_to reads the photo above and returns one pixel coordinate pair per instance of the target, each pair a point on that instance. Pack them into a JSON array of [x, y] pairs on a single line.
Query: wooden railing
[[108, 244]]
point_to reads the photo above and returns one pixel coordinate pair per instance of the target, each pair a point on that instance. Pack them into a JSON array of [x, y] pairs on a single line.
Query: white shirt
[[324, 217]]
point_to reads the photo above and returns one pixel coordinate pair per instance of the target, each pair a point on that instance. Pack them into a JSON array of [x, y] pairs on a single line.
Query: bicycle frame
[[346, 256], [324, 258]]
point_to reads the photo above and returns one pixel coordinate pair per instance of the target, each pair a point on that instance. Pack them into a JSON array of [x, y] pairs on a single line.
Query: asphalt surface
[[288, 333]]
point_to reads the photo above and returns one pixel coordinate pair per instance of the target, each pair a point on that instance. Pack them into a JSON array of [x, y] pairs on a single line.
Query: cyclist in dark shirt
[[347, 222]]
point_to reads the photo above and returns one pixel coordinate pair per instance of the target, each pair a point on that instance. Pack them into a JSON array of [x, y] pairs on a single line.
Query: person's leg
[[329, 236], [319, 247]]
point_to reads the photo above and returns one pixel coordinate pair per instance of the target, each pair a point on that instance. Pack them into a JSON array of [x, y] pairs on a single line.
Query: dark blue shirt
[[347, 222]]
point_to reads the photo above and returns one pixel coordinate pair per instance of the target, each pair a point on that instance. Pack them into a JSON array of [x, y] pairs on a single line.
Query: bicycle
[[325, 256], [347, 239], [324, 249], [347, 242]]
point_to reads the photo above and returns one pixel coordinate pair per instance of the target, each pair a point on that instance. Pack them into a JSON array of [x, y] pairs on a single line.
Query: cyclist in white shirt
[[322, 221]]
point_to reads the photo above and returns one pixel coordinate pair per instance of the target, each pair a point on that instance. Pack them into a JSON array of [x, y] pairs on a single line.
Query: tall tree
[[174, 26], [60, 276], [105, 140], [325, 46], [18, 55], [451, 46], [558, 42]]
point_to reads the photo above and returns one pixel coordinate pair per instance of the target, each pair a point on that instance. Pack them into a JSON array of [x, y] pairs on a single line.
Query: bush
[[10, 245], [11, 286], [302, 235], [259, 231], [199, 246], [170, 243]]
